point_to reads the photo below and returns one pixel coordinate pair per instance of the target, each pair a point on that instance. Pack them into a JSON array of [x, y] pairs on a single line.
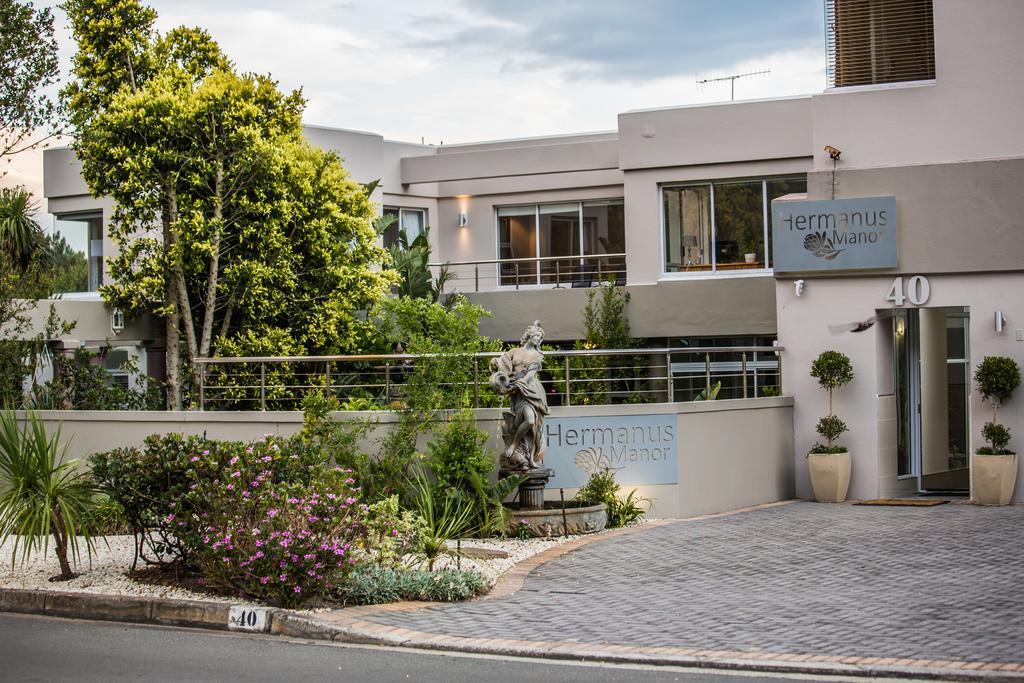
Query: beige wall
[[552, 155], [803, 331], [716, 133], [730, 453], [952, 217], [970, 111], [697, 307]]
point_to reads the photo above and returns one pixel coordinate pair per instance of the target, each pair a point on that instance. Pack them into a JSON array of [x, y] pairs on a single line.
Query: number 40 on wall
[[916, 292]]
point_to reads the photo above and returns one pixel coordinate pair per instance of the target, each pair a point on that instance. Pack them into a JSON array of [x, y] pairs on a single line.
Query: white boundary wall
[[730, 454]]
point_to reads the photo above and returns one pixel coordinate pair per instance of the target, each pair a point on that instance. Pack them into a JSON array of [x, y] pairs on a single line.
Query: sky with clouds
[[469, 70]]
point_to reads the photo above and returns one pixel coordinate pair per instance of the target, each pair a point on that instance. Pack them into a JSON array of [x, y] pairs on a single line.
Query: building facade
[[922, 106]]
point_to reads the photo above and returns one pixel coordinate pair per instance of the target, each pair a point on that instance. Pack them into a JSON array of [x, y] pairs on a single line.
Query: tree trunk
[[57, 527], [211, 278], [173, 320]]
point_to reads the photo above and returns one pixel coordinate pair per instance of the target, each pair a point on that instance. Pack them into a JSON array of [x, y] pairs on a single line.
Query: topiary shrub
[[832, 369], [997, 378]]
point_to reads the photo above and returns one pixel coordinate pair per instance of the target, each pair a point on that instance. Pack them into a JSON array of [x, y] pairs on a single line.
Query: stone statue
[[514, 373]]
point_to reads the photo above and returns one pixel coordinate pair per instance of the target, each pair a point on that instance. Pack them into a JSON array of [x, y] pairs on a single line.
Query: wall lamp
[[798, 287], [463, 220], [1000, 321]]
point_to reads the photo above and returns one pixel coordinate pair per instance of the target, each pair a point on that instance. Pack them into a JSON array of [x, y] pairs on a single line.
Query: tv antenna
[[732, 80]]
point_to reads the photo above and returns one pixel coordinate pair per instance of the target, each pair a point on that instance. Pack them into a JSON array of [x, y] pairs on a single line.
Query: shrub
[[997, 378], [456, 454], [998, 437], [832, 369], [145, 482], [43, 493], [269, 539], [393, 533], [602, 488], [374, 585]]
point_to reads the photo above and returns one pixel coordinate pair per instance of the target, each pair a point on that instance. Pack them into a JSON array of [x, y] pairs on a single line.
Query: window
[[560, 244], [412, 221], [78, 253], [721, 226], [878, 41]]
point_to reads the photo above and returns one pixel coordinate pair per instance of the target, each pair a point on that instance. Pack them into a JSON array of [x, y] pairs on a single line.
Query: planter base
[[994, 478], [830, 476], [577, 519]]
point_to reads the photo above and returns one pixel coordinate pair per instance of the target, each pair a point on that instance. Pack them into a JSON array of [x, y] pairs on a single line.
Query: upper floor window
[[78, 253], [412, 221], [721, 226], [533, 239], [879, 41]]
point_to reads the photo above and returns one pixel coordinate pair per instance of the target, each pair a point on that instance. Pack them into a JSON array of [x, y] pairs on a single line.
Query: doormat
[[905, 502]]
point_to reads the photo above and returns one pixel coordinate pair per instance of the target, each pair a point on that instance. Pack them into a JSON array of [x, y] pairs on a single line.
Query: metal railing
[[578, 377], [556, 271]]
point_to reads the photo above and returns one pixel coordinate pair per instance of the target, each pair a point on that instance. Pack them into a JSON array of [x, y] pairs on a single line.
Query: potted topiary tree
[[829, 464], [994, 466]]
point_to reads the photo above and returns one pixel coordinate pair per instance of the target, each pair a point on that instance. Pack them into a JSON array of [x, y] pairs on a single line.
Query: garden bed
[[108, 571]]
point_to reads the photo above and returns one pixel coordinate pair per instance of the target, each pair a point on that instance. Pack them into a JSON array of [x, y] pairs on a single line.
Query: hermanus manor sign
[[639, 449], [834, 234]]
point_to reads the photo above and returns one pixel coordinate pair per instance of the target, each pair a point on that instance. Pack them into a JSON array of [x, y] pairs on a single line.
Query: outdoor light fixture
[[900, 327], [833, 153], [1000, 321], [117, 321], [463, 220], [798, 286]]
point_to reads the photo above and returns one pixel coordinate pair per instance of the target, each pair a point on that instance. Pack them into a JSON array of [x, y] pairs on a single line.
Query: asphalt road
[[36, 648]]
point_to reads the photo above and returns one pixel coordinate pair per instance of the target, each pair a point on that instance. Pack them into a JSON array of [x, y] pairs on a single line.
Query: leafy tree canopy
[[28, 64], [227, 221]]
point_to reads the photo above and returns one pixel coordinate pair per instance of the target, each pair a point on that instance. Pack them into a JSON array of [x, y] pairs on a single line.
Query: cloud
[[632, 41]]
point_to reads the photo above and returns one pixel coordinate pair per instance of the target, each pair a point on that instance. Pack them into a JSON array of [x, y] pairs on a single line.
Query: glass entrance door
[[931, 358]]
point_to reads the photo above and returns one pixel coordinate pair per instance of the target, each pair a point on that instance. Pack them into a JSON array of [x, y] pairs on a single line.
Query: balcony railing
[[579, 377], [552, 271]]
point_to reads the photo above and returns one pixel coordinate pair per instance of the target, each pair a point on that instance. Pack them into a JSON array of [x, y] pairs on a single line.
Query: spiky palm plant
[[42, 494], [21, 237]]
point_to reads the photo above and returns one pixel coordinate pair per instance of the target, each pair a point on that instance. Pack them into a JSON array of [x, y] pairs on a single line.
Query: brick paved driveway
[[930, 583]]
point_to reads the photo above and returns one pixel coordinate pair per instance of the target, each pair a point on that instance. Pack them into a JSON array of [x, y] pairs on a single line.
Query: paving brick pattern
[[835, 580]]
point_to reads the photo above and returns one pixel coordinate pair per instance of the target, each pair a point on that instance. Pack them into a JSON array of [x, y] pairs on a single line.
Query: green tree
[[28, 65], [257, 230]]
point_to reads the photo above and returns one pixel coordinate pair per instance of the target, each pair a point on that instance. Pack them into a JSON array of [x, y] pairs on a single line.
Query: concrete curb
[[351, 625]]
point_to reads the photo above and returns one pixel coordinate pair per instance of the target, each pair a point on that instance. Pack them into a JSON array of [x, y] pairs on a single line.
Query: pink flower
[[298, 589], [194, 458], [236, 473], [231, 487], [272, 512], [264, 580], [233, 460]]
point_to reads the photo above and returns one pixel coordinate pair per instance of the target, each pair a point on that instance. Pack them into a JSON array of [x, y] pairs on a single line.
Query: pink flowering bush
[[262, 521]]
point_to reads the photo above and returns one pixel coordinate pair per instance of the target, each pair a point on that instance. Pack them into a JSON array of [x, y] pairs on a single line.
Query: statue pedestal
[[531, 491]]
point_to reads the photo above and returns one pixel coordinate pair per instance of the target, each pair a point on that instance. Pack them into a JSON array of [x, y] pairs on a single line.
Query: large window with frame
[[412, 221], [77, 245], [561, 243], [723, 225]]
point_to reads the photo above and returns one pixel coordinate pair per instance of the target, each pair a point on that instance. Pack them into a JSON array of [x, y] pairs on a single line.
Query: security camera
[[833, 153], [798, 286]]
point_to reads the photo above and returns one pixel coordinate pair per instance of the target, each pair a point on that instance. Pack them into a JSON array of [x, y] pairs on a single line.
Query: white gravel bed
[[105, 574]]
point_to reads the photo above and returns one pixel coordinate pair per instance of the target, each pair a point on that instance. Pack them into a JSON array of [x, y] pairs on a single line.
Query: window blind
[[878, 41]]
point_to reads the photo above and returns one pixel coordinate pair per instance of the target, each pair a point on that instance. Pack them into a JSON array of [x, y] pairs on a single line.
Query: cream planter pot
[[994, 477], [830, 476]]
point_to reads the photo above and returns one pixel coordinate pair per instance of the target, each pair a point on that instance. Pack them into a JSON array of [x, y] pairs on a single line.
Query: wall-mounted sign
[[640, 449], [836, 234]]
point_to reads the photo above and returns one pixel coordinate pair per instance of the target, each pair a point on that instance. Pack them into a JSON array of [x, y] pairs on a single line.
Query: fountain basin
[[579, 518]]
